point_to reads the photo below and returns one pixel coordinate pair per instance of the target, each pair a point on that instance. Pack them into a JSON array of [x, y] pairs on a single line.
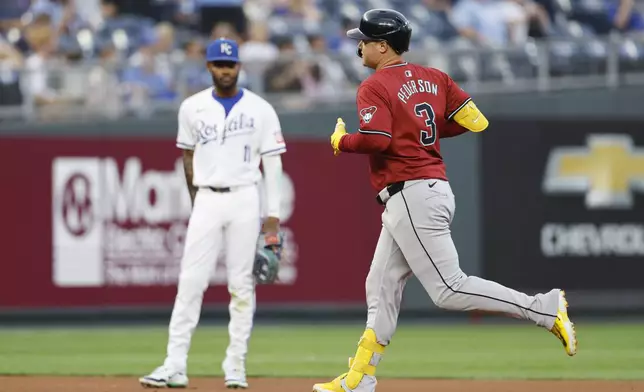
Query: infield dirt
[[130, 384]]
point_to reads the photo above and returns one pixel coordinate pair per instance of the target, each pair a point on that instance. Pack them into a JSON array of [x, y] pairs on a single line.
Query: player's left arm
[[462, 109], [374, 134], [451, 129], [271, 148], [272, 165]]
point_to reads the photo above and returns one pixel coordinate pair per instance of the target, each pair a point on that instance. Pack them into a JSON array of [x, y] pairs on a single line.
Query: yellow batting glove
[[337, 135]]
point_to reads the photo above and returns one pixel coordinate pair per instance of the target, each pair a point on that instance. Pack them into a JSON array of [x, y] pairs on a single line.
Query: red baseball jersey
[[404, 110]]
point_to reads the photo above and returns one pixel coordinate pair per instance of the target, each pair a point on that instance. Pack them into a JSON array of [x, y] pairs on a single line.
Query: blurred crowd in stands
[[116, 56]]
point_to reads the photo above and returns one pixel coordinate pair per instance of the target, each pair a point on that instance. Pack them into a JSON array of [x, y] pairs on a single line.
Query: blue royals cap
[[223, 49]]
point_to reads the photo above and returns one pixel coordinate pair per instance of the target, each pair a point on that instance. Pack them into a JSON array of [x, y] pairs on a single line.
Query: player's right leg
[[203, 242], [385, 283]]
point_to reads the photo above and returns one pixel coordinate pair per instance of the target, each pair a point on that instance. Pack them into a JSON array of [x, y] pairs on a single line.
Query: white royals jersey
[[228, 149]]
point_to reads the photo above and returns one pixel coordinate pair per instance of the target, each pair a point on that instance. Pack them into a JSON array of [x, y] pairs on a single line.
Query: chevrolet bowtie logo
[[607, 171]]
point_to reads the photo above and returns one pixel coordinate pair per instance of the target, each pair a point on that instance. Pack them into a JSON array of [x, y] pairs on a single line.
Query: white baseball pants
[[231, 219]]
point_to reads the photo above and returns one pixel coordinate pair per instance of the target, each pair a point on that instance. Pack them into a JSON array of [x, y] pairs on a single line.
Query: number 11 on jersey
[[426, 111]]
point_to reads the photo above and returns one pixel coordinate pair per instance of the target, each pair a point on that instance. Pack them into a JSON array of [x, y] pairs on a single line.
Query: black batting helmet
[[384, 25]]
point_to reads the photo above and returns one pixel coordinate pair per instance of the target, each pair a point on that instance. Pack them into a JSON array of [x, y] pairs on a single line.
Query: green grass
[[464, 351]]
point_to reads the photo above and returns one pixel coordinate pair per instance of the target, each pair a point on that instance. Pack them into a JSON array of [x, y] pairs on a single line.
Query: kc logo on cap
[[223, 49], [226, 48]]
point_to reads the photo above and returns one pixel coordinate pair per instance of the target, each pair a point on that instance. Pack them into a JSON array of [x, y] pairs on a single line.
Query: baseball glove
[[267, 258]]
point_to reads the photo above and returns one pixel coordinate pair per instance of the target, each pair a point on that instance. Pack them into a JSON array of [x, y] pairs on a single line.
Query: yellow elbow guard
[[470, 117]]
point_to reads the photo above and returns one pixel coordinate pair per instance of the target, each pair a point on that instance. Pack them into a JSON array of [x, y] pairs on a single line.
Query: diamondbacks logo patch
[[367, 113]]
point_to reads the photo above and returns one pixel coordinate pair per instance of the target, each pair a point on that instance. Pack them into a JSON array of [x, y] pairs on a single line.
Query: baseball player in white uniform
[[224, 132]]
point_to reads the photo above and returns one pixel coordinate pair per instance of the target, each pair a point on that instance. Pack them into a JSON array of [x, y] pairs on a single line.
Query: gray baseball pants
[[416, 239]]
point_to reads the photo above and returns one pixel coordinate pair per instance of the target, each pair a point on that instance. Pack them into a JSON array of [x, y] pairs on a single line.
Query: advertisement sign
[[102, 222], [126, 227], [564, 204]]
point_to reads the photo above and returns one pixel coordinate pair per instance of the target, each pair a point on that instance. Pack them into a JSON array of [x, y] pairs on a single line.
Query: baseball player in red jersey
[[404, 110]]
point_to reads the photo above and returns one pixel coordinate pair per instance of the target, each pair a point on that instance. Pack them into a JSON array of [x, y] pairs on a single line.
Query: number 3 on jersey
[[426, 111]]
